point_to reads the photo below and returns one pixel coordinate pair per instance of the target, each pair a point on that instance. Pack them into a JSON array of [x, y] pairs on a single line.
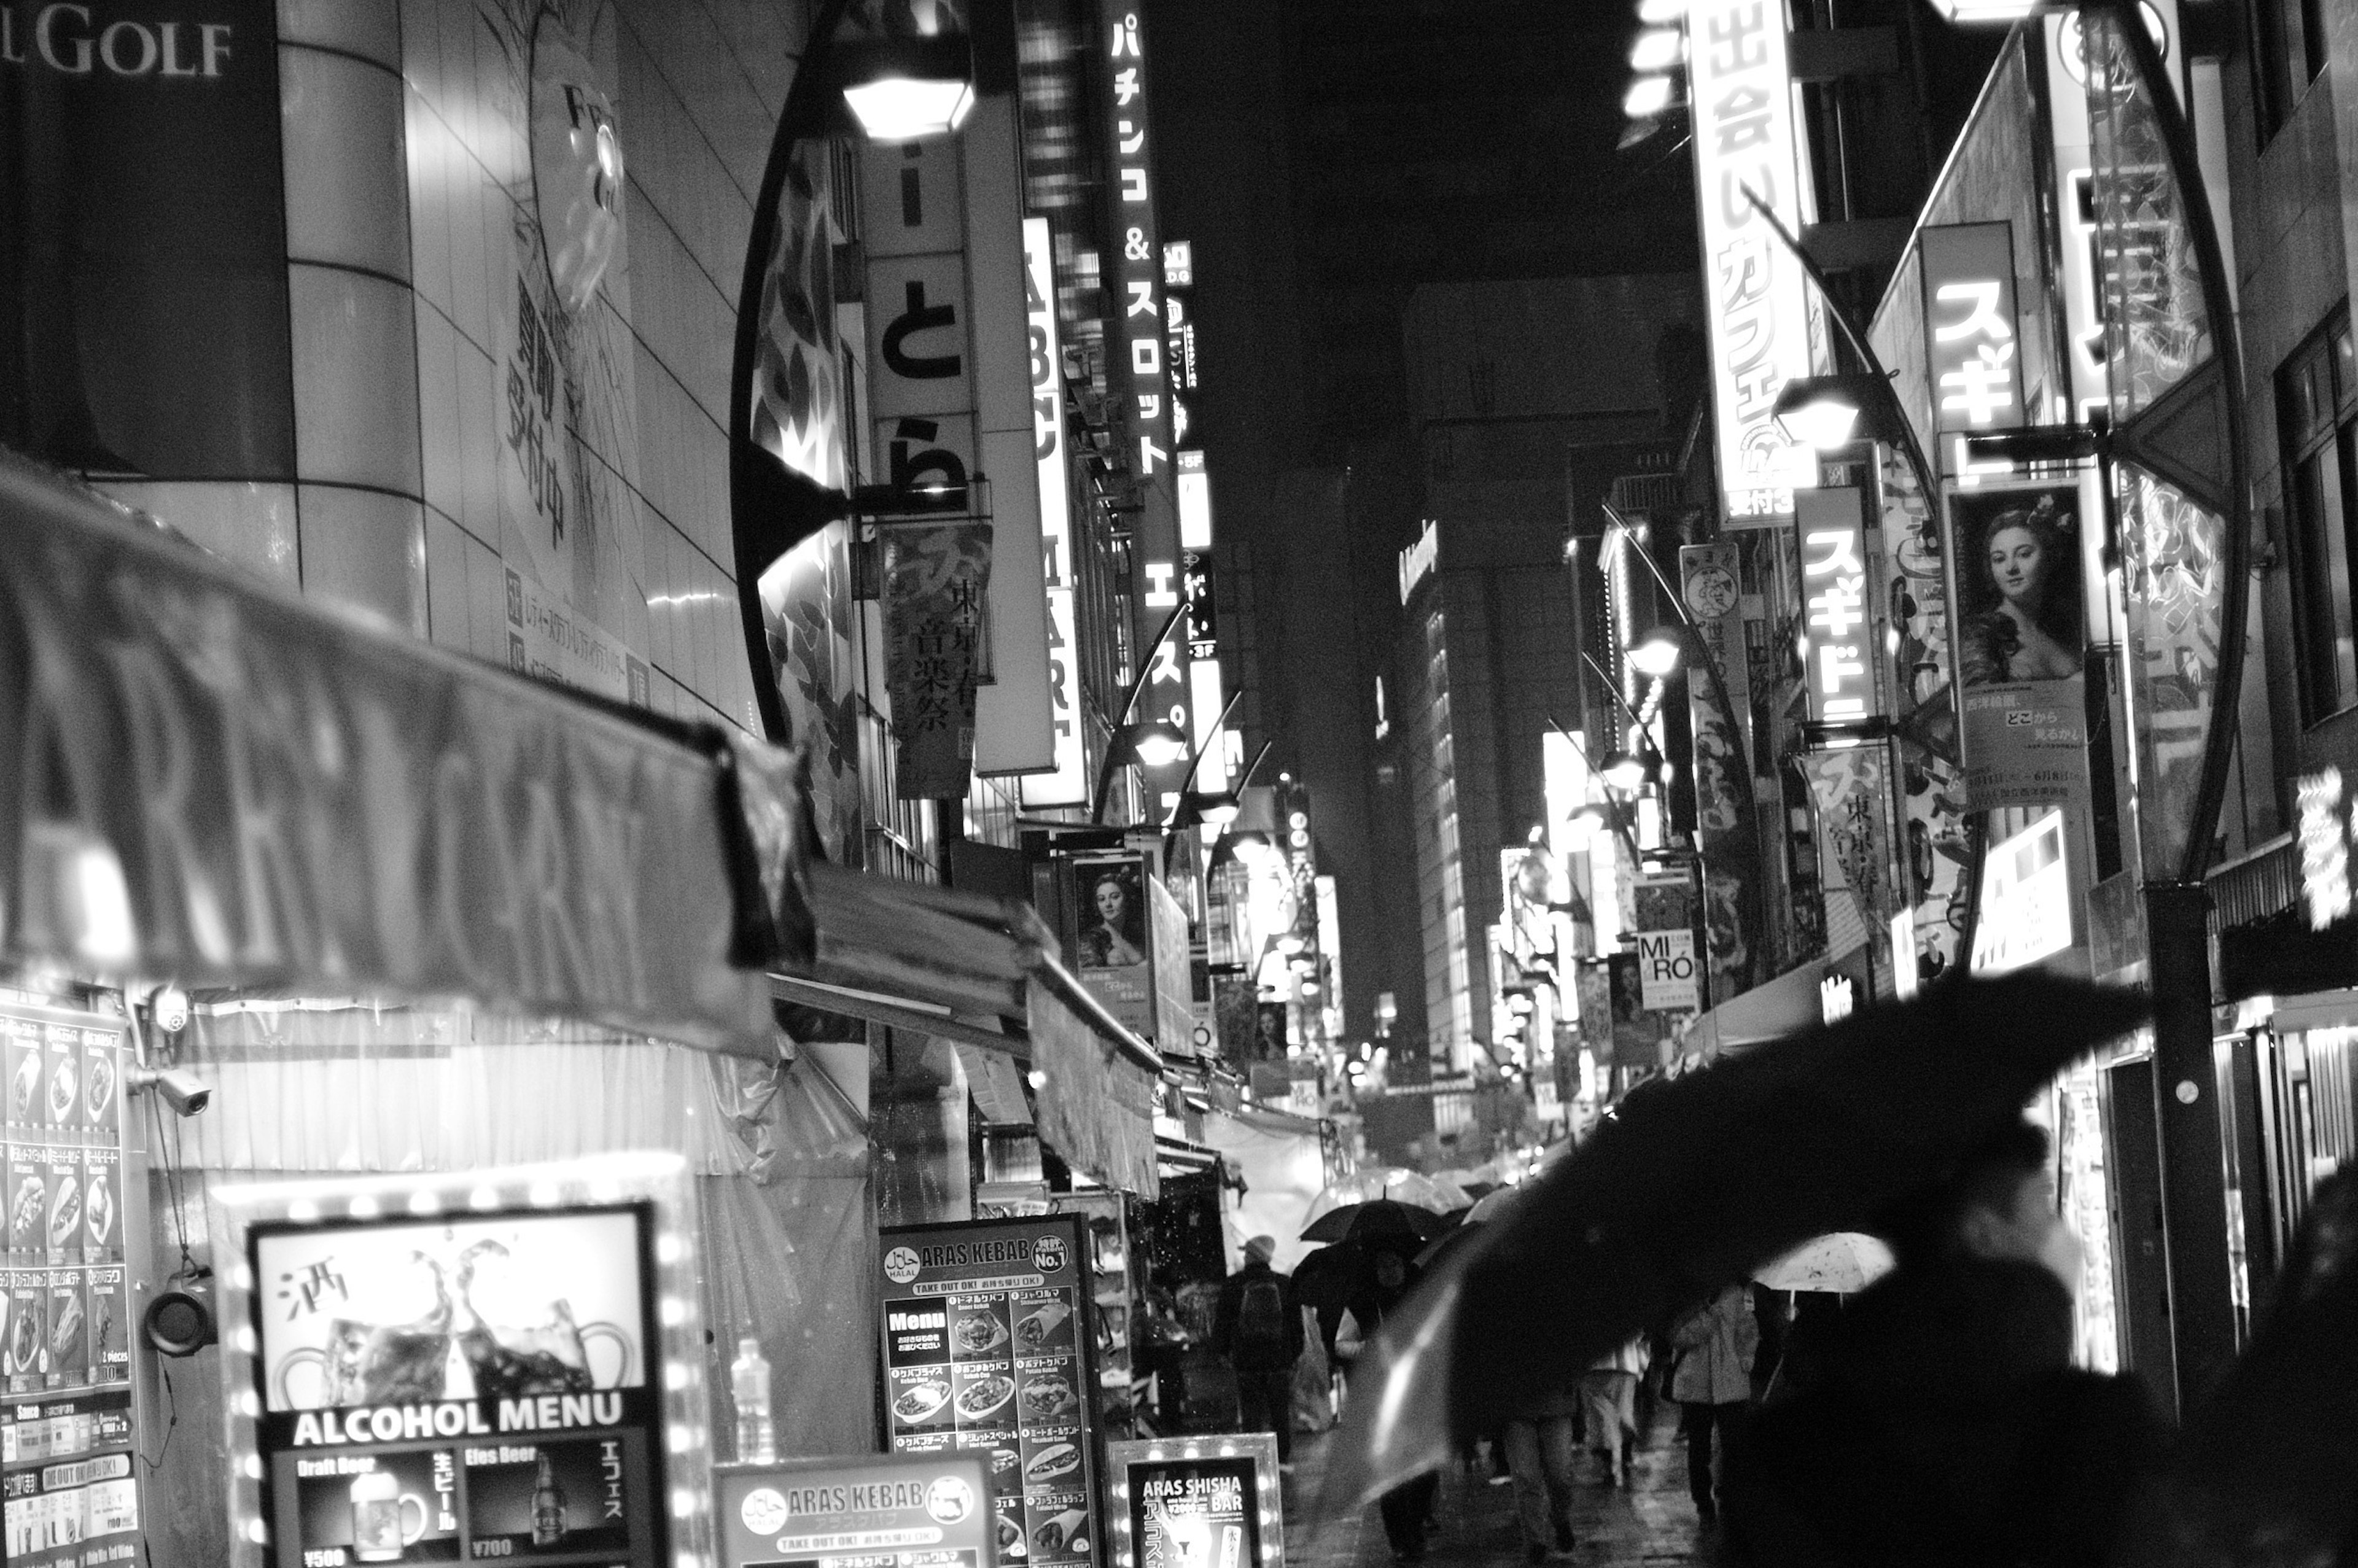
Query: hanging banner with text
[[1756, 302], [2020, 645], [936, 576], [1710, 582], [1067, 782]]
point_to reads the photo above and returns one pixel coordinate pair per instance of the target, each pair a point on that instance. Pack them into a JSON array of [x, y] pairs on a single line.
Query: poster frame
[[1124, 1459], [653, 1186]]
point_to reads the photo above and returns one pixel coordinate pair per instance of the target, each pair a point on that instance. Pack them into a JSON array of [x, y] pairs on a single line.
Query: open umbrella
[[1844, 1263], [1400, 1185], [1694, 1184], [1374, 1220]]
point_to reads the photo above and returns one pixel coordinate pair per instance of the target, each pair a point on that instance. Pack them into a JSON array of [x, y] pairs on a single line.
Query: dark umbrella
[[2267, 1469], [1374, 1220], [1695, 1183]]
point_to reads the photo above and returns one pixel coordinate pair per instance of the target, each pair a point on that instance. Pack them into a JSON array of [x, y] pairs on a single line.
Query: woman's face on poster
[[1112, 899], [2017, 563]]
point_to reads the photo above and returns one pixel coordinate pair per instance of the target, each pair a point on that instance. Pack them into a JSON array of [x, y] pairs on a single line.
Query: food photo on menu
[[504, 1308], [984, 1396], [978, 1327]]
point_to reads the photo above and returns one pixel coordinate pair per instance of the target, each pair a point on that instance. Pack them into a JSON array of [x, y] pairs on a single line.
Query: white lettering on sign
[[1836, 625], [1754, 300], [1419, 558], [2326, 830], [74, 40], [1837, 999], [1667, 972], [1067, 782], [1969, 324]]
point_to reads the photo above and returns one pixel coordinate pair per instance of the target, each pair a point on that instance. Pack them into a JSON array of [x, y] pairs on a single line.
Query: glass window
[[2288, 52], [2316, 406]]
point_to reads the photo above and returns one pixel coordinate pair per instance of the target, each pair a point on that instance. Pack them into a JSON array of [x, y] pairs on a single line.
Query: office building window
[[2288, 52], [2317, 414]]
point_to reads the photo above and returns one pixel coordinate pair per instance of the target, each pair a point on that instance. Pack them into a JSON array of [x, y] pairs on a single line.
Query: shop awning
[[223, 783], [1768, 1011], [982, 972]]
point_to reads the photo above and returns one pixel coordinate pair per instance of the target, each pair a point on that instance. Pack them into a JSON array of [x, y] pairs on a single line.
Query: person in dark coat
[[1258, 1327], [1407, 1508], [1941, 1422]]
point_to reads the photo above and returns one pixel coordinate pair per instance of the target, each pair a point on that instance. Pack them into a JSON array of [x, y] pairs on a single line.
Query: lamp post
[[1694, 634], [1115, 742]]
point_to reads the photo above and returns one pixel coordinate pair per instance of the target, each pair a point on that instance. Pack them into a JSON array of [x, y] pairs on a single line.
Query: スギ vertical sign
[[1754, 288], [1137, 372], [1837, 629], [1969, 327]]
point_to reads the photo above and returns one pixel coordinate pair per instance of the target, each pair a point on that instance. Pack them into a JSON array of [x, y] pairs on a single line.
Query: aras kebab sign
[[987, 1352]]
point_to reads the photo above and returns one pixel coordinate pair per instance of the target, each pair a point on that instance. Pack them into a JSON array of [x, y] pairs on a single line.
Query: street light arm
[[1736, 721], [1614, 815], [1130, 704], [1197, 760]]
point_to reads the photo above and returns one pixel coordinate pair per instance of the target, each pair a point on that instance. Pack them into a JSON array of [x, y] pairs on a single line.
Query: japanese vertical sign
[[2019, 644], [1837, 629], [65, 1350], [1711, 584], [1138, 374], [1754, 288], [1067, 783], [987, 1338], [920, 355], [936, 576], [1969, 327]]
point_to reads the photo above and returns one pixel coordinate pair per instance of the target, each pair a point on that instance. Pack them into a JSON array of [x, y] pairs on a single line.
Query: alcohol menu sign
[[987, 1353], [1197, 1502], [459, 1388], [907, 1511], [66, 1438]]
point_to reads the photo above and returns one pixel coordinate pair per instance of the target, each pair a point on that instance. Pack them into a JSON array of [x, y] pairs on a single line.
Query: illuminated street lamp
[[1648, 96], [1157, 744], [1823, 411], [1657, 653], [1661, 13], [901, 90], [1629, 771], [1657, 48]]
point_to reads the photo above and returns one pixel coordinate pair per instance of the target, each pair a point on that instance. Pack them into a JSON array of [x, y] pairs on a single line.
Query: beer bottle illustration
[[547, 1505]]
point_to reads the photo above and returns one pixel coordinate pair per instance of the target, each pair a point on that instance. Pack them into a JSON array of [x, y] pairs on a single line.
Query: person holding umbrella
[[1258, 1327], [1941, 1419], [1711, 1379], [1407, 1508]]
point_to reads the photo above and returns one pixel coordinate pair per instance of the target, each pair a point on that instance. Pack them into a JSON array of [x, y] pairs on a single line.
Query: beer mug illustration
[[381, 1531]]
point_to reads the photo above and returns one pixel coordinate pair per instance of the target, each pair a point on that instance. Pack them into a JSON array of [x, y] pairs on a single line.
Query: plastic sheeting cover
[[1283, 1169]]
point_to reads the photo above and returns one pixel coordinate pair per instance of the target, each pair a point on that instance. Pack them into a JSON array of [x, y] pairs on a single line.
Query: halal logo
[[1048, 1254], [900, 1265], [950, 1499]]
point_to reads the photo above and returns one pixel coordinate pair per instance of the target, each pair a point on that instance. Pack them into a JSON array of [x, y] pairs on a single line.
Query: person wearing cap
[[1258, 1329]]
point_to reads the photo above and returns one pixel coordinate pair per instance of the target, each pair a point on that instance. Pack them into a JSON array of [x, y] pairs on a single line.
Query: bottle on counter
[[749, 1380]]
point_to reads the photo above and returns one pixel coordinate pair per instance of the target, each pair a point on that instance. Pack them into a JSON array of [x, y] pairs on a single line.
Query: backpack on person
[[1260, 1337]]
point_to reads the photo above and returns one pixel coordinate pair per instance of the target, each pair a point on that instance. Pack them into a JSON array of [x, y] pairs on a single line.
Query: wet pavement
[[1653, 1522]]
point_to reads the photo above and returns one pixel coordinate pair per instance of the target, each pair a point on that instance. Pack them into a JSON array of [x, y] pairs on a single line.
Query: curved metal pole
[[1128, 702], [2227, 349], [1736, 721], [1197, 760]]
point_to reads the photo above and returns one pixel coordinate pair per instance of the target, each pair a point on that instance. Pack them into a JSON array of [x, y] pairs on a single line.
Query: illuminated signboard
[[1837, 627], [1197, 1502], [1195, 503], [1067, 784], [1137, 372], [900, 1510], [1756, 295], [1969, 326], [460, 1367], [1419, 558], [987, 1328], [2026, 912], [2325, 832]]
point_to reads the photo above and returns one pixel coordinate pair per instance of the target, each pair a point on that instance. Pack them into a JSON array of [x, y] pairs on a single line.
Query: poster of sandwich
[[987, 1351]]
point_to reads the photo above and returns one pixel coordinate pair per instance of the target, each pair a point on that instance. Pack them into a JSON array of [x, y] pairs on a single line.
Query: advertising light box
[[1197, 1502], [988, 1340], [864, 1511], [500, 1365]]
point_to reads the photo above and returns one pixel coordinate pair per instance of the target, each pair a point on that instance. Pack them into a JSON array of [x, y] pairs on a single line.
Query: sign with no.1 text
[[987, 1353]]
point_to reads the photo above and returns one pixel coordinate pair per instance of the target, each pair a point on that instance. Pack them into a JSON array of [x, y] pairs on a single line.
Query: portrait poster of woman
[[2020, 612], [1112, 915]]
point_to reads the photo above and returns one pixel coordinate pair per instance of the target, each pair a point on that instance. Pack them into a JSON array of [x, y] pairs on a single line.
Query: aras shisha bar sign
[[987, 1351]]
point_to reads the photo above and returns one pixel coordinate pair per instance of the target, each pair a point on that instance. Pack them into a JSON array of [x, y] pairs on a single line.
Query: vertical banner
[[1711, 583], [1851, 788], [1754, 292], [921, 388], [935, 579], [1915, 632], [1113, 938], [1066, 781], [1837, 627], [1014, 709], [1137, 372], [986, 1328], [2020, 645], [1972, 354]]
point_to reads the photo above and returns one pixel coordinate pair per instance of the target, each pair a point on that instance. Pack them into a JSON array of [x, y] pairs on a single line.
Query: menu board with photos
[[986, 1335], [66, 1438], [460, 1389]]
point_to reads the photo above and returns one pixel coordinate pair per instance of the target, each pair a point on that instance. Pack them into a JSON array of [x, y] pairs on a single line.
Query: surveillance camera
[[168, 1007], [185, 1093]]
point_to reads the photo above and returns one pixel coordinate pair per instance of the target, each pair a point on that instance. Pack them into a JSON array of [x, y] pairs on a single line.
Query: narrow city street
[[1652, 1522]]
